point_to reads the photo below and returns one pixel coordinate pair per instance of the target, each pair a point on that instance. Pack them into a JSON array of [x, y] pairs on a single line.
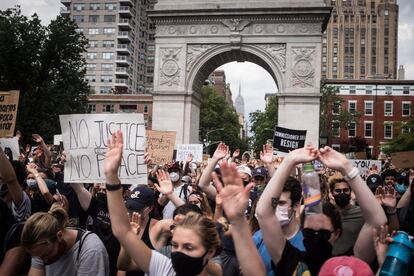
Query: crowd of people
[[232, 215]]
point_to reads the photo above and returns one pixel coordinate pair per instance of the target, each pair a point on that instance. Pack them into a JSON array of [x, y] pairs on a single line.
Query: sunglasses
[[321, 233]]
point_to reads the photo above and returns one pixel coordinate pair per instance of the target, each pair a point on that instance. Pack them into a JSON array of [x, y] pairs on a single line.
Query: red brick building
[[125, 103], [383, 105]]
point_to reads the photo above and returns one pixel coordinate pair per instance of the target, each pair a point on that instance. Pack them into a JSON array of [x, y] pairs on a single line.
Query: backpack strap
[[85, 234]]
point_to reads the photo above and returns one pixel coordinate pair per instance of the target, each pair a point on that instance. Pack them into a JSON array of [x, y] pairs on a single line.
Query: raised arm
[[265, 210], [84, 196], [372, 211], [205, 178], [166, 188], [48, 155], [121, 227], [32, 168], [8, 176], [266, 156], [406, 198], [235, 199]]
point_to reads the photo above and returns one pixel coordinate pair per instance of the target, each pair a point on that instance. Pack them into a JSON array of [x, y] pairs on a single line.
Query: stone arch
[[202, 66]]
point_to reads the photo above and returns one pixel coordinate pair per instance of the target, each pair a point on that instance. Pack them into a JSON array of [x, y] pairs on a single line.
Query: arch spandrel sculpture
[[195, 37]]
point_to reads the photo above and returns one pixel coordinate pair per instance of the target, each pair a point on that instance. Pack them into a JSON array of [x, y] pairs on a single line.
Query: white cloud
[[45, 9]]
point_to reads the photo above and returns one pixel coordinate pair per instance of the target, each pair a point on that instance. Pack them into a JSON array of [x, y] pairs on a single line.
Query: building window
[[386, 12], [78, 18], [91, 66], [352, 107], [388, 90], [388, 108], [109, 30], [78, 7], [93, 43], [92, 108], [406, 108], [335, 59], [406, 90], [387, 130], [352, 90], [108, 43], [368, 108], [145, 108], [109, 18], [93, 18], [91, 55], [368, 90], [107, 55], [105, 89], [324, 59], [368, 129], [110, 6], [95, 6], [336, 108], [106, 78], [336, 147], [335, 129], [79, 30], [127, 108], [352, 129], [107, 66], [108, 108], [90, 78], [93, 31], [404, 128]]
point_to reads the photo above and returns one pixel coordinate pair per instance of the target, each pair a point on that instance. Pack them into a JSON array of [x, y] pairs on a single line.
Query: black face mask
[[185, 265], [342, 199], [318, 248]]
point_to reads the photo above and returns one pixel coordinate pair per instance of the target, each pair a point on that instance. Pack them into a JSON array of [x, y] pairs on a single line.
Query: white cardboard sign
[[183, 150]]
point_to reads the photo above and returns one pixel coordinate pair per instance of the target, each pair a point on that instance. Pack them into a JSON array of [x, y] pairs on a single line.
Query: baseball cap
[[186, 179], [244, 169], [141, 197], [373, 181], [389, 172], [403, 178], [259, 171], [345, 265]]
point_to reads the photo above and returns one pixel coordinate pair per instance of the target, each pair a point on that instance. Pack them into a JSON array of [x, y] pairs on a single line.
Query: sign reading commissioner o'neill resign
[[286, 140]]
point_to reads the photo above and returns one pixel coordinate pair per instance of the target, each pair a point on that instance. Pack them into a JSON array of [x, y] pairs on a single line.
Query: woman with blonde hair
[[59, 250]]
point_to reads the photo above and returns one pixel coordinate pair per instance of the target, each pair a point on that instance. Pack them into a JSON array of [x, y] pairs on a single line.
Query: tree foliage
[[405, 140], [263, 124], [45, 63], [216, 113]]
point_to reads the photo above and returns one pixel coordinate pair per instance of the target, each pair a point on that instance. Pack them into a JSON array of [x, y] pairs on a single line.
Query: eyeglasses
[[344, 190]]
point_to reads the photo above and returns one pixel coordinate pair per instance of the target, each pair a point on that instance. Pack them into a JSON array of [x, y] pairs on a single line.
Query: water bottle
[[398, 255], [311, 190]]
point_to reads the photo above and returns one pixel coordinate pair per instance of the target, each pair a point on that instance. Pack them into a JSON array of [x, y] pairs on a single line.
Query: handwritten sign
[[160, 146], [9, 102], [183, 150], [285, 140], [10, 144], [85, 139], [57, 139], [364, 166], [403, 159]]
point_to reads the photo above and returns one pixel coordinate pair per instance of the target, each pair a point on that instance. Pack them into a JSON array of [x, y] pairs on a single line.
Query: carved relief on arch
[[303, 70], [194, 51], [277, 52], [170, 71]]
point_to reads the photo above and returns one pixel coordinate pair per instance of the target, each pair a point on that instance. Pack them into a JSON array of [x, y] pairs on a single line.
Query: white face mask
[[282, 214], [174, 176], [31, 182]]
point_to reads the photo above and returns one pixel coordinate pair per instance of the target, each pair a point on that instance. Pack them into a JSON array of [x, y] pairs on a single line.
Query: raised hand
[[334, 160], [165, 185], [135, 222], [37, 138], [147, 159], [266, 155], [234, 195], [113, 156], [381, 242], [236, 153], [220, 152], [31, 168], [303, 155], [389, 199], [189, 158]]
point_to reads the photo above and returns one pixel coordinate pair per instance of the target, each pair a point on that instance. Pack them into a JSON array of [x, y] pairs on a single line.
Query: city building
[[360, 41], [239, 105], [120, 54], [99, 103], [384, 106], [218, 80]]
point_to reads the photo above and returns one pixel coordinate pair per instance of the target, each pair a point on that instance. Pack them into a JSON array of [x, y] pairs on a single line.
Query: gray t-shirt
[[93, 260]]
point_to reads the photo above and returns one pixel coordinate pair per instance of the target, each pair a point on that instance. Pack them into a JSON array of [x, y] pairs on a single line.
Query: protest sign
[[365, 166], [183, 150], [403, 159], [285, 140], [57, 139], [85, 139], [11, 144], [160, 146], [9, 102]]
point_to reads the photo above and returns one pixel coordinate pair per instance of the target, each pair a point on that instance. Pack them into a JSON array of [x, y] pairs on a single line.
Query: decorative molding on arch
[[303, 70], [278, 52]]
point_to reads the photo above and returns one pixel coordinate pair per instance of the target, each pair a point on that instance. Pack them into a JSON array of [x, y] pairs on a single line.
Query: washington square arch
[[194, 37]]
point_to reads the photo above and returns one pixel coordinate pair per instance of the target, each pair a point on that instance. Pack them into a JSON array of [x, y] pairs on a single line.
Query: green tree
[[45, 63], [263, 124], [405, 140], [216, 113], [330, 102]]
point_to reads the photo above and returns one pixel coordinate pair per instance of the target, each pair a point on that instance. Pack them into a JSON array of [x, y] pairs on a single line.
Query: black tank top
[[146, 239]]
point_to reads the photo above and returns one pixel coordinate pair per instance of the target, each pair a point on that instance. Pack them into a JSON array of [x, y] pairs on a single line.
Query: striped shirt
[[22, 213]]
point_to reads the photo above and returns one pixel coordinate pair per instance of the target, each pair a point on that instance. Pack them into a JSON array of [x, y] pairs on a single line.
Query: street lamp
[[207, 142]]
